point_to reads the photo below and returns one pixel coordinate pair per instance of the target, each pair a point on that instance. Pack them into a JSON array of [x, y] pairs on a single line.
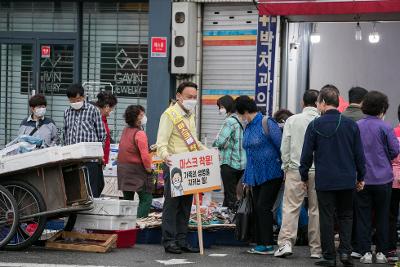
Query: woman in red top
[[134, 160], [106, 103]]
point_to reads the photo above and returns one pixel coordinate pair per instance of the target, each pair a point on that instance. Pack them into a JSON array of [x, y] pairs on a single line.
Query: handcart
[[46, 183]]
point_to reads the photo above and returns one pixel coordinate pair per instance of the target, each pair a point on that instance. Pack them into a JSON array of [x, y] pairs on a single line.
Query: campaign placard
[[195, 172]]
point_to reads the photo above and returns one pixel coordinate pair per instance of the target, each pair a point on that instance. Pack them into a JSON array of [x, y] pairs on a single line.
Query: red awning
[[325, 7]]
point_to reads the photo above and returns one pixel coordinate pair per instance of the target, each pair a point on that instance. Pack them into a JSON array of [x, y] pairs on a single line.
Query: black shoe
[[346, 259], [324, 262], [173, 249], [189, 249]]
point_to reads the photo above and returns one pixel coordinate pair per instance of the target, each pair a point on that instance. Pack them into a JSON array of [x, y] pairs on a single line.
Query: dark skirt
[[134, 178]]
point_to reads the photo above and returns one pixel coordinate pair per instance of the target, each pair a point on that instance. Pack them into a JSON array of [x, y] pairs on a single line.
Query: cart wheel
[[30, 202], [8, 216]]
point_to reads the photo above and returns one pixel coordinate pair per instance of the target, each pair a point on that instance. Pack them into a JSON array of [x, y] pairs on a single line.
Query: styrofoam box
[[102, 222], [50, 155], [111, 187], [82, 151], [113, 207]]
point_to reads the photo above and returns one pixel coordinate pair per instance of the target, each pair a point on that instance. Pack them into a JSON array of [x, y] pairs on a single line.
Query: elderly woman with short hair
[[134, 160], [261, 141], [380, 147]]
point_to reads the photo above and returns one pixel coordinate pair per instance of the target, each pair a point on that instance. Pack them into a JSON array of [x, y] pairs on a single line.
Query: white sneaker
[[356, 255], [315, 256], [284, 251], [367, 258], [381, 258]]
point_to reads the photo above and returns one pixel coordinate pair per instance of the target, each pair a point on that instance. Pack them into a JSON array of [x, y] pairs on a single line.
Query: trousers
[[293, 198]]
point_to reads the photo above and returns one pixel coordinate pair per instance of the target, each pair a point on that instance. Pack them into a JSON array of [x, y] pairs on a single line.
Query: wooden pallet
[[75, 241]]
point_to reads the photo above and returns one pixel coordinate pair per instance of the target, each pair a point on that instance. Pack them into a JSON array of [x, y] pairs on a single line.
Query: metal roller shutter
[[115, 38], [17, 60], [114, 51], [229, 59]]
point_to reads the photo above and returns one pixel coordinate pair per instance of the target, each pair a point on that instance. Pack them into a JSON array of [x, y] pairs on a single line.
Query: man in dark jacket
[[354, 112], [356, 96], [339, 169]]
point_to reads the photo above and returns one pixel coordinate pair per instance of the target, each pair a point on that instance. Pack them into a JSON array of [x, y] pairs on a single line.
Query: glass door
[[16, 83], [29, 66], [56, 72]]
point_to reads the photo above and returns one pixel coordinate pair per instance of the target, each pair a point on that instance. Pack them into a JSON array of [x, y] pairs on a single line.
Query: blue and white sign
[[266, 46]]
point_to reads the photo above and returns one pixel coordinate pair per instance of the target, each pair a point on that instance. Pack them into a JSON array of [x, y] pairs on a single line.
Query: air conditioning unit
[[184, 34]]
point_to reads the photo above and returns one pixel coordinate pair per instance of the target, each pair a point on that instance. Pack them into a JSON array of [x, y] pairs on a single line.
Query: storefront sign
[[158, 46], [266, 44], [326, 7], [125, 67], [45, 51], [56, 68], [195, 172]]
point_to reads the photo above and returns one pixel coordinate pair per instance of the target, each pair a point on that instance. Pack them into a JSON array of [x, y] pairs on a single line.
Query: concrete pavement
[[152, 255]]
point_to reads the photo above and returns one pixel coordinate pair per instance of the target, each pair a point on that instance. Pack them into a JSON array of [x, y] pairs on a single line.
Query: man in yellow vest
[[177, 134]]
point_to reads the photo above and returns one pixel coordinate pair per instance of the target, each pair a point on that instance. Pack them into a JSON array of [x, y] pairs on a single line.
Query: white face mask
[[143, 121], [222, 111], [189, 105], [76, 105], [243, 120], [39, 112]]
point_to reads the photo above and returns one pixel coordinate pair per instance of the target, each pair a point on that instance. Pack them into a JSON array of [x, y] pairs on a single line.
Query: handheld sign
[[195, 172]]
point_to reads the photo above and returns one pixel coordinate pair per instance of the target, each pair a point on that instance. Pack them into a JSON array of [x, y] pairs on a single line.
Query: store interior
[[343, 53]]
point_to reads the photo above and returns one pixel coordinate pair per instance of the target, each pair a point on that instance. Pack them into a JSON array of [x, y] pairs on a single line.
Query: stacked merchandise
[[216, 220], [111, 216]]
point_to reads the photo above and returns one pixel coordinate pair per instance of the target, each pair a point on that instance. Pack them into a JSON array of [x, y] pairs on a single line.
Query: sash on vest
[[184, 132]]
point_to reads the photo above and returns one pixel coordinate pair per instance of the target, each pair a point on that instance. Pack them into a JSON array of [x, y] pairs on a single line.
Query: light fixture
[[315, 38], [358, 34], [374, 35]]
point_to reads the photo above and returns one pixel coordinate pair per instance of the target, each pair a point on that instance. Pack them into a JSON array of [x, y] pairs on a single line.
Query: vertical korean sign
[[195, 172], [266, 46]]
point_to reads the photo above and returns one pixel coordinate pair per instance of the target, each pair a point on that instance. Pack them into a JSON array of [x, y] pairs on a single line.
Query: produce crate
[[103, 222], [113, 207], [125, 239], [82, 242]]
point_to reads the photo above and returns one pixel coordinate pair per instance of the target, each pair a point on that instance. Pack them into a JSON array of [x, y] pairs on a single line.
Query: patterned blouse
[[262, 151], [229, 143]]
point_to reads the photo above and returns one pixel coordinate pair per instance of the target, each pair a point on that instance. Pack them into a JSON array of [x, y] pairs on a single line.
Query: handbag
[[244, 218]]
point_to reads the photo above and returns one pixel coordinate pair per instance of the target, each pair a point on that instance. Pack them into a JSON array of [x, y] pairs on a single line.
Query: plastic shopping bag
[[244, 218]]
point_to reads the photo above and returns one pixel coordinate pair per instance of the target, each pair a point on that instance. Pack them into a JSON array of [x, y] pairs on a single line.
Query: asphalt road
[[150, 255]]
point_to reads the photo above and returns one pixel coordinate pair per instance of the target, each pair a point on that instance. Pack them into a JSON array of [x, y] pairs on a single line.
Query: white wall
[[341, 60]]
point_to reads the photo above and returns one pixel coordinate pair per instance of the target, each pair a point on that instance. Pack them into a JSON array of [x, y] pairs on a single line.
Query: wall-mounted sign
[[158, 46], [266, 43], [125, 67], [45, 51]]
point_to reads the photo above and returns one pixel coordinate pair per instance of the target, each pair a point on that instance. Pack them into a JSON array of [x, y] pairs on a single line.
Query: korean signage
[[56, 68], [158, 46], [266, 46], [125, 67], [45, 51], [195, 172]]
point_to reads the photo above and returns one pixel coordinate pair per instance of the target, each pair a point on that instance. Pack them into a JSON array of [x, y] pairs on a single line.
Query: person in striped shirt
[[83, 123]]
